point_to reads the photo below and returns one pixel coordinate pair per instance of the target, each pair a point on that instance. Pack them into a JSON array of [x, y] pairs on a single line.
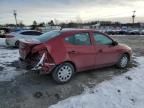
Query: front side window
[[102, 39], [79, 39], [31, 33], [36, 33]]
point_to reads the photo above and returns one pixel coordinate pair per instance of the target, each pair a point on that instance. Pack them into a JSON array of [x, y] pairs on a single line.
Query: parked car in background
[[142, 32], [134, 32], [123, 32], [65, 52], [109, 31], [12, 39], [117, 32], [4, 31]]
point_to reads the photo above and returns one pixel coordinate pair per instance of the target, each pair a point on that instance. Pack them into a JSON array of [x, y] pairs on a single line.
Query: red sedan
[[64, 52]]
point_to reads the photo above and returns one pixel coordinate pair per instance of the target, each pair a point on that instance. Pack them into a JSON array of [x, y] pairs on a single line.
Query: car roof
[[75, 30], [26, 31], [20, 31]]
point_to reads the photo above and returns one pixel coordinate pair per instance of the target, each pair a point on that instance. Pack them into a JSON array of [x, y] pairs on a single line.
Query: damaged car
[[65, 52]]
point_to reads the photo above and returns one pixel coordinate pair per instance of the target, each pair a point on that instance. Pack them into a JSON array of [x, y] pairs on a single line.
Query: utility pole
[[133, 17], [15, 16]]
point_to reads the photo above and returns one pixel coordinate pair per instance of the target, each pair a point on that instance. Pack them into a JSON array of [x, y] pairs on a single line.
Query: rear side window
[[102, 39], [31, 33], [48, 35], [79, 39]]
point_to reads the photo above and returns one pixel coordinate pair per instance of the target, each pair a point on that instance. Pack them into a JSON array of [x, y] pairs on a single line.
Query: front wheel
[[123, 62], [63, 73]]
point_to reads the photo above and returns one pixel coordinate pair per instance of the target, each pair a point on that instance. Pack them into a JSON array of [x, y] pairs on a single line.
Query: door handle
[[73, 52]]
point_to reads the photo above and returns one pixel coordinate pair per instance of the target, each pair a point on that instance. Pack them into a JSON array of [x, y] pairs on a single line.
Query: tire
[[63, 73], [17, 44], [123, 62]]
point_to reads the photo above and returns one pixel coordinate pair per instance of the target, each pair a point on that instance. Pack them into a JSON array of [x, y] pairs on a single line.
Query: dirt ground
[[31, 90]]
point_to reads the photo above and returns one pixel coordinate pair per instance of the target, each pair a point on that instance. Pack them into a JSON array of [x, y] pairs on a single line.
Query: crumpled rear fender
[[38, 48]]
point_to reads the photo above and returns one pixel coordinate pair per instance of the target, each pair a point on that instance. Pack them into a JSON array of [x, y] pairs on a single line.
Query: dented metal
[[40, 63]]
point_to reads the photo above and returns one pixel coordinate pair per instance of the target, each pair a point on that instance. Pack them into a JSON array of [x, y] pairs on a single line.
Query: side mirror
[[115, 43]]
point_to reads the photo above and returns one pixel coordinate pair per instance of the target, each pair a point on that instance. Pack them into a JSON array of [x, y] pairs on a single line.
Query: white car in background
[[142, 32], [12, 39]]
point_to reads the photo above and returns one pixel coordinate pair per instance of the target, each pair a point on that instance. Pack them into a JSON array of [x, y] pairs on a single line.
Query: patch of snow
[[9, 73], [2, 41], [125, 91], [7, 56]]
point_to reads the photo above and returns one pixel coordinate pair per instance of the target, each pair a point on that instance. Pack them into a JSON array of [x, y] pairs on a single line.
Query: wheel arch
[[129, 56], [17, 42], [75, 69]]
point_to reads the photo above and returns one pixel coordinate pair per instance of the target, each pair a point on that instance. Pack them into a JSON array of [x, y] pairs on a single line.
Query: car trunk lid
[[26, 46]]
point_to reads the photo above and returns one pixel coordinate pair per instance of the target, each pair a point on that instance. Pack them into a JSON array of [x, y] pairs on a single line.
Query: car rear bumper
[[43, 68]]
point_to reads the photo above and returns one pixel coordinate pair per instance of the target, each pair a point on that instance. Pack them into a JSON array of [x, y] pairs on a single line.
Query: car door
[[80, 50], [106, 52]]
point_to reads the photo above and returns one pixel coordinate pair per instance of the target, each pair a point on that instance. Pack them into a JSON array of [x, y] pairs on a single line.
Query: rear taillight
[[9, 36]]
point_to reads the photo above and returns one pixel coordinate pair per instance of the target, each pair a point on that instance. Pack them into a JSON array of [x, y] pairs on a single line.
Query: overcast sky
[[70, 10]]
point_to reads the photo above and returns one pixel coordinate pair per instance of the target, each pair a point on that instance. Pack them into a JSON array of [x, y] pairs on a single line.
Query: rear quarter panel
[[57, 50]]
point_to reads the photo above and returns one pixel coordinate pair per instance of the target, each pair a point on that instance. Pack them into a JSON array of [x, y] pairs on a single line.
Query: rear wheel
[[123, 62], [17, 44], [63, 73]]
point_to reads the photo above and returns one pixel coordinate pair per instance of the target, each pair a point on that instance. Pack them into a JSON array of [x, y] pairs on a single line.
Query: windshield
[[47, 36]]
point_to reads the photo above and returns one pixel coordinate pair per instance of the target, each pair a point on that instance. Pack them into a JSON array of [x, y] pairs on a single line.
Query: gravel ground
[[25, 89]]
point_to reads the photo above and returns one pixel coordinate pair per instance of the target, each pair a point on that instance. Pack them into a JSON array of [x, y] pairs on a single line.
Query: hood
[[124, 46]]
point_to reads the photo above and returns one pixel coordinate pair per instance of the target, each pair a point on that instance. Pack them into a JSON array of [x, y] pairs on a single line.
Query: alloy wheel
[[65, 73]]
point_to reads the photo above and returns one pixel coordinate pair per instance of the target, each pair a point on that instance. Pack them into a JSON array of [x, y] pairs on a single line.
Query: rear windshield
[[47, 36]]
